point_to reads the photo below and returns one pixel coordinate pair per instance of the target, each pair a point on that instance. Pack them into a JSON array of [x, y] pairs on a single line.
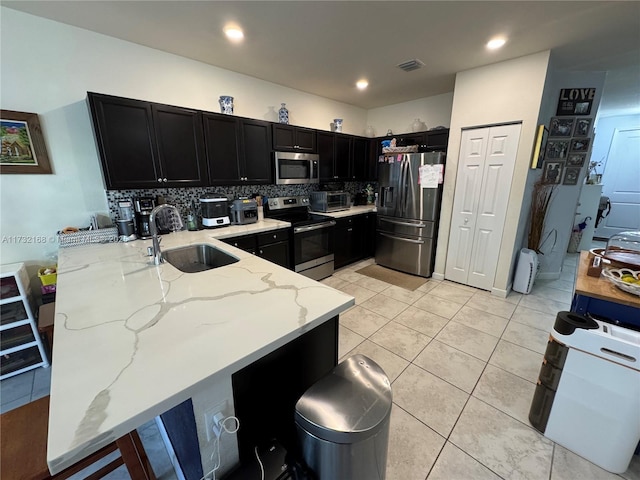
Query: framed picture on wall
[[571, 175], [561, 126], [556, 149], [583, 127], [552, 172], [22, 145], [580, 144], [576, 159]]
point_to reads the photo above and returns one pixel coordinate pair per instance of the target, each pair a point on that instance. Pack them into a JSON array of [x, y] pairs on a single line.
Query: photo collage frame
[[566, 150]]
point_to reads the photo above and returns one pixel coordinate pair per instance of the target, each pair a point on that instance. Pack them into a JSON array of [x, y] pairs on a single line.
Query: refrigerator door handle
[[403, 185], [409, 240], [407, 224]]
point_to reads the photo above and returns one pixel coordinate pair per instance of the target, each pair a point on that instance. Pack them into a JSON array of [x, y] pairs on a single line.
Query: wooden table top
[[601, 287]]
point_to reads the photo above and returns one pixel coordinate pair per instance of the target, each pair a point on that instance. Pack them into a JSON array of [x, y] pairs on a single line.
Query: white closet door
[[473, 149], [480, 204]]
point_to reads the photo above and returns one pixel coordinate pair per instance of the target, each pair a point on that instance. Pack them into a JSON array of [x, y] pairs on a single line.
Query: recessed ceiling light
[[496, 43], [362, 84], [233, 33]]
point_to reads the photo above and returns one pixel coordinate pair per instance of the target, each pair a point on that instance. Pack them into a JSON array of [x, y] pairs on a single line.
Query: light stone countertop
[[133, 340], [357, 210]]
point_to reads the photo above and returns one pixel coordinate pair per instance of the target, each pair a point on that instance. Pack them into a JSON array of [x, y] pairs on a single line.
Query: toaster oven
[[323, 201]]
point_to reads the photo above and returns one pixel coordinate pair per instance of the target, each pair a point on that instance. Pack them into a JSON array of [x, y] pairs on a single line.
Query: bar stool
[[23, 448]]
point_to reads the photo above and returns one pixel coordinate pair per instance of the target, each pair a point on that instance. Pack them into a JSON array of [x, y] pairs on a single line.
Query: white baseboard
[[499, 292], [437, 276]]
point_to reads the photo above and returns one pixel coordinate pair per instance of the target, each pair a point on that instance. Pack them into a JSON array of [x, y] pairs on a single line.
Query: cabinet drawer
[[13, 337], [245, 242], [12, 312], [21, 359], [344, 222], [273, 236]]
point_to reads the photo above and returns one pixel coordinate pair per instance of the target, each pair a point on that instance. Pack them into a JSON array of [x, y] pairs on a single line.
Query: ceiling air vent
[[411, 65]]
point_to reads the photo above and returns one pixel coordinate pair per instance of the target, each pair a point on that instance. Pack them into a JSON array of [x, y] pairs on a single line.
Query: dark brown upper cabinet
[[293, 139], [237, 150], [145, 145]]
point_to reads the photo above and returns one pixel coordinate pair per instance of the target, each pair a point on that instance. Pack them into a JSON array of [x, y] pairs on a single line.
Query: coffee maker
[[143, 207], [125, 222]]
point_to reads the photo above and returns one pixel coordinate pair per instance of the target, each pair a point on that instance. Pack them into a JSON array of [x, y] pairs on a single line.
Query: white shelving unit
[[21, 347]]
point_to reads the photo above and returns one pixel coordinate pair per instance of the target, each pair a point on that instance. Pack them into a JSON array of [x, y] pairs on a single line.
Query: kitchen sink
[[198, 258]]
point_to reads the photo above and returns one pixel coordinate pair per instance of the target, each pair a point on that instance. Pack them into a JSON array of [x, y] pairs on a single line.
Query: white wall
[[605, 129], [561, 216], [48, 67], [509, 91], [432, 111]]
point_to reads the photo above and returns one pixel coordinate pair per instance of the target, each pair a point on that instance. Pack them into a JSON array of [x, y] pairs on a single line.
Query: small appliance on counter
[[244, 211], [214, 210], [323, 201], [143, 207], [125, 222]]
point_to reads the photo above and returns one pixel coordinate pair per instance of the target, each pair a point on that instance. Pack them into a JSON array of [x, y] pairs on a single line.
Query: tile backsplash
[[183, 197]]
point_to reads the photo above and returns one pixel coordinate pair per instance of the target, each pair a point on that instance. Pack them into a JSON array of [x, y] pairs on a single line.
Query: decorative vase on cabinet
[[283, 114], [226, 104]]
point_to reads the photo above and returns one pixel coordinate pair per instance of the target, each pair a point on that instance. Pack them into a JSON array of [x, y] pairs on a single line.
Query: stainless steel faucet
[[157, 254]]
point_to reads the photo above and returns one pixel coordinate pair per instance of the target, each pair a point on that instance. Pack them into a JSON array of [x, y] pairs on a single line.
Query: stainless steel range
[[312, 235]]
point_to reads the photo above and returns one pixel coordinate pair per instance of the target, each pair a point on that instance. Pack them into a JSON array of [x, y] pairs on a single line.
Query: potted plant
[[541, 198]]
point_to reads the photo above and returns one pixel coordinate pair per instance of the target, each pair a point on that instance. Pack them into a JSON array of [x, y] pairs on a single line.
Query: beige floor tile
[[424, 322], [385, 306], [544, 305], [550, 293], [428, 286], [506, 446], [526, 336], [569, 466], [454, 366], [428, 398], [413, 447], [347, 340], [517, 360], [506, 392], [373, 284], [392, 364], [437, 305], [359, 293], [512, 297], [334, 282], [348, 275], [454, 464], [451, 292], [467, 339], [466, 288], [483, 321], [401, 340], [533, 318], [362, 321], [560, 284], [402, 294], [491, 304]]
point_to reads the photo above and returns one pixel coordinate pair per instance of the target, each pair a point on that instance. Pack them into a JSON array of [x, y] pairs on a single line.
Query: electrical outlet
[[210, 414]]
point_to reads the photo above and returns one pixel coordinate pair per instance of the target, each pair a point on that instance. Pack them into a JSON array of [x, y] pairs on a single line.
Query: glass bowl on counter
[[623, 250]]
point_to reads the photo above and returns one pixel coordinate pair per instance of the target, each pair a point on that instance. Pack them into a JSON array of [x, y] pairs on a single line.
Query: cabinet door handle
[[164, 179], [275, 236], [159, 180], [349, 229], [261, 252]]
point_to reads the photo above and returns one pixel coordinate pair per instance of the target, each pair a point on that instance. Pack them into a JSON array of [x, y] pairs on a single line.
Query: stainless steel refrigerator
[[408, 211]]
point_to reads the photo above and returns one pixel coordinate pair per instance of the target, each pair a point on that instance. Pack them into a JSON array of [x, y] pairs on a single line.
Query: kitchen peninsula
[[133, 340]]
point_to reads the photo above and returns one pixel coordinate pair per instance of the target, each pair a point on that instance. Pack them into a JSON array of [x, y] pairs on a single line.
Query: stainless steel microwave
[[295, 168]]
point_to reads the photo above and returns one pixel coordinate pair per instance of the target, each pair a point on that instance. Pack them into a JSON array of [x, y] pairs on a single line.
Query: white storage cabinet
[[21, 347]]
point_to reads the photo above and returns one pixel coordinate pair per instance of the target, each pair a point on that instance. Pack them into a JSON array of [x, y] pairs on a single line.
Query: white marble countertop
[[133, 340], [360, 209]]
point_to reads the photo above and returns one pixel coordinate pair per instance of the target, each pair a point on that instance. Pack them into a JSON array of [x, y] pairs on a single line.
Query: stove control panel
[[288, 202]]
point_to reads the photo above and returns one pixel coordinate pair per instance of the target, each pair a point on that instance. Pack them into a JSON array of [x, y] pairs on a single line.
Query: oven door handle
[[316, 226], [419, 242]]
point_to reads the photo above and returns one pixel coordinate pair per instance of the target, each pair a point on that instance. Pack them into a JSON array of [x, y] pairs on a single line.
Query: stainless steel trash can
[[343, 422]]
